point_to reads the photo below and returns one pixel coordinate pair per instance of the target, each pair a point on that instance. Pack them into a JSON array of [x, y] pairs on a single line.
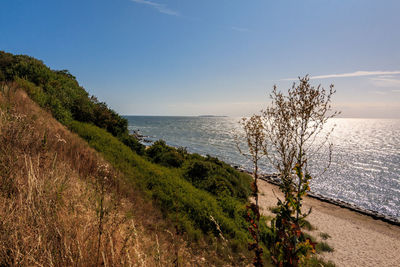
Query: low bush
[[164, 155], [216, 177], [133, 143]]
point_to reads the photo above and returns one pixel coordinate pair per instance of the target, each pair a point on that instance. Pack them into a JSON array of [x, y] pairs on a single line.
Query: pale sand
[[358, 240]]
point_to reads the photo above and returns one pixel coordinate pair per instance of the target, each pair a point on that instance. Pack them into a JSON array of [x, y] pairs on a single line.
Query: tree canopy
[[59, 92]]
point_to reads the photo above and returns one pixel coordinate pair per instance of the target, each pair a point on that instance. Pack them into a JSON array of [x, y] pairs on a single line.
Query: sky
[[220, 57]]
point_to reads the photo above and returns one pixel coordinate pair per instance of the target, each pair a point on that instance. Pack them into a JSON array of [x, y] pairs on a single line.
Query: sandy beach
[[358, 240]]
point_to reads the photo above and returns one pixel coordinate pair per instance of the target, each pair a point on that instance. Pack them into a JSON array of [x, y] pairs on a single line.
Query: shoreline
[[273, 179]]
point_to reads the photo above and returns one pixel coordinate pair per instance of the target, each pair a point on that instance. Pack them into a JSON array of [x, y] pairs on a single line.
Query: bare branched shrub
[[292, 123], [255, 137]]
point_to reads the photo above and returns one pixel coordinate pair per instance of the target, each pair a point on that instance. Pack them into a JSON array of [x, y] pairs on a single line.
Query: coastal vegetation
[[286, 134], [183, 203], [255, 138], [293, 122], [121, 202], [62, 204]]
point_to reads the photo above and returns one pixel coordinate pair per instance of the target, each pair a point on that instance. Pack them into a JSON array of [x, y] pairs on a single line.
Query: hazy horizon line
[[230, 116]]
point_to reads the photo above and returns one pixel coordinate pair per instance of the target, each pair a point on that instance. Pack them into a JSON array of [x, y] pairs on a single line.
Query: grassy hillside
[[190, 207], [62, 204], [201, 197]]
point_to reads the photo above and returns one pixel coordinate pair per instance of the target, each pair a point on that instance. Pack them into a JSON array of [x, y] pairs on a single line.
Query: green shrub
[[133, 143], [216, 177], [164, 155], [34, 91], [197, 170]]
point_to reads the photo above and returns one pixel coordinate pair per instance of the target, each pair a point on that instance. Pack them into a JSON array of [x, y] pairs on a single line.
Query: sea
[[363, 168]]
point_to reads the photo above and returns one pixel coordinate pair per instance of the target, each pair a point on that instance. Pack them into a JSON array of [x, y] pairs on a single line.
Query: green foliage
[[34, 91], [324, 236], [206, 173], [133, 143], [288, 244], [304, 224], [291, 124], [60, 93], [197, 171], [164, 155], [323, 247], [188, 206], [216, 177]]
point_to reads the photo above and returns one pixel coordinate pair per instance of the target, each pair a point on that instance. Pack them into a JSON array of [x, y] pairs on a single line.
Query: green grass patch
[[307, 225], [324, 236], [323, 247]]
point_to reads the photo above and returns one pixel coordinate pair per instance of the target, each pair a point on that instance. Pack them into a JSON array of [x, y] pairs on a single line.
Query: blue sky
[[187, 57]]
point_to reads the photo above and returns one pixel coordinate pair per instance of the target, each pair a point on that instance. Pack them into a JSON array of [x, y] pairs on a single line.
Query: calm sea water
[[365, 168]]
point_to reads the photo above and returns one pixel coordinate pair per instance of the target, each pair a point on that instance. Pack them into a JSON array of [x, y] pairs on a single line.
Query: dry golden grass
[[61, 204]]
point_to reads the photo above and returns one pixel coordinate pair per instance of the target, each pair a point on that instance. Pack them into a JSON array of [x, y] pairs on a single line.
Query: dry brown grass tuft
[[61, 204]]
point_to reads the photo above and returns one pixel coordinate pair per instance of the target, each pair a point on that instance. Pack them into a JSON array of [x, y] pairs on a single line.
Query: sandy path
[[358, 240]]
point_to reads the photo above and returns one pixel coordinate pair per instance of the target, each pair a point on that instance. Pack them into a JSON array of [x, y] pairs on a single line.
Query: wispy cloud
[[385, 82], [162, 8], [386, 76], [240, 29], [356, 74], [378, 92], [351, 74]]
